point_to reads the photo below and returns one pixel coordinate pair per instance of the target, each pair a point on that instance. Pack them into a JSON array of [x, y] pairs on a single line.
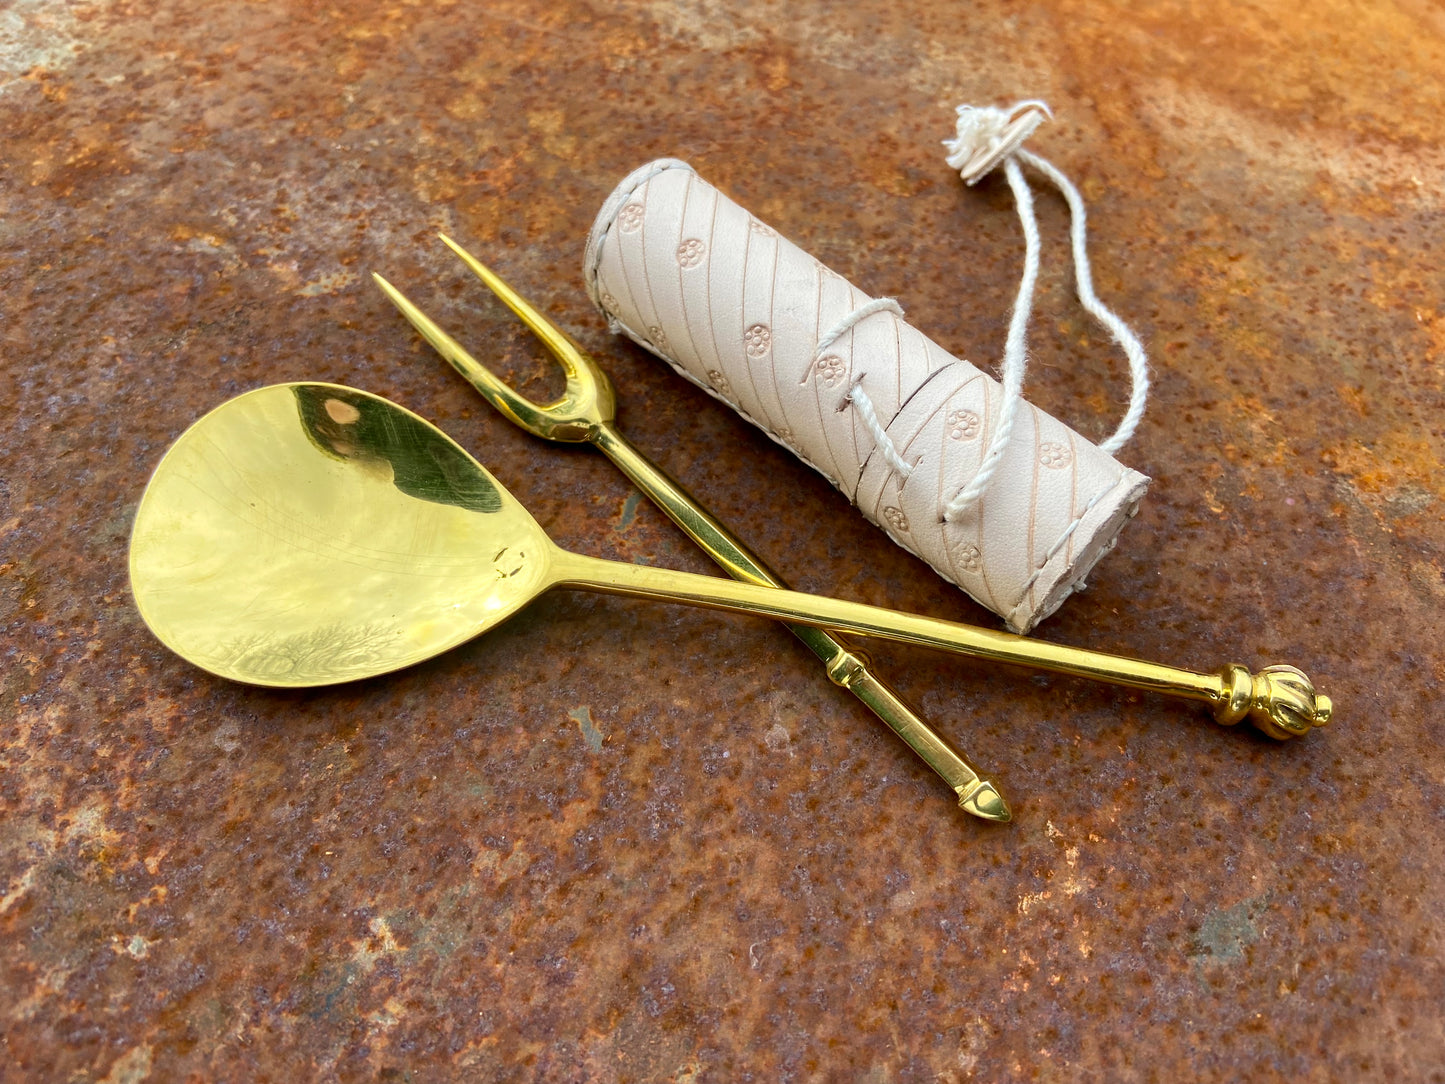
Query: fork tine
[[573, 361], [514, 406]]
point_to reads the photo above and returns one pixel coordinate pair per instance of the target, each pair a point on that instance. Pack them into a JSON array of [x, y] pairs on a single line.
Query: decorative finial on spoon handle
[[1279, 700]]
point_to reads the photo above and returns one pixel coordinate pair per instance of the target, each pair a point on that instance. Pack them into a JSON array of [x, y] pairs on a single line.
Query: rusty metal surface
[[693, 865]]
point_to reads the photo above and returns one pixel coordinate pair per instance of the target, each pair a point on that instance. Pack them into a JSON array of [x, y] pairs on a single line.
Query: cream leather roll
[[739, 310]]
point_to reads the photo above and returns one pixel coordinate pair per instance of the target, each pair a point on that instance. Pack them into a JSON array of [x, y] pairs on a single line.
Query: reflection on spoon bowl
[[304, 534]]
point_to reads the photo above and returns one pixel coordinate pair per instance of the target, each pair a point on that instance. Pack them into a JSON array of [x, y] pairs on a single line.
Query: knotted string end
[[986, 135]]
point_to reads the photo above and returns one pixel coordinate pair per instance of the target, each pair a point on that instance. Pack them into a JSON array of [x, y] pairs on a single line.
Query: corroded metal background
[[621, 841]]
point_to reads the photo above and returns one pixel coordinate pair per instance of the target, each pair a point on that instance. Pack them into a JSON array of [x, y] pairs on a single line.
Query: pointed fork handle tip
[[985, 802]]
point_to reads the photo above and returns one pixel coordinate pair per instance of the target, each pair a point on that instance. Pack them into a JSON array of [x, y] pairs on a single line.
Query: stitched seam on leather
[[589, 273], [1068, 532]]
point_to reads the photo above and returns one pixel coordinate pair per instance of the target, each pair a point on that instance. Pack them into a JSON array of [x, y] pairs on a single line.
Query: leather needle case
[[746, 314]]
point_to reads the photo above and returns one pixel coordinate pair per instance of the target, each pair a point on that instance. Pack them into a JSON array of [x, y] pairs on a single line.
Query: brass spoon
[[307, 534]]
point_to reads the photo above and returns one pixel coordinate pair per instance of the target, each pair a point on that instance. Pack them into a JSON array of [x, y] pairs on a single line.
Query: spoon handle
[[1279, 700], [845, 668]]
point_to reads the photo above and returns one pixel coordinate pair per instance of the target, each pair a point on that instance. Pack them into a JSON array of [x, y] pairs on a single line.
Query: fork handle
[[846, 668]]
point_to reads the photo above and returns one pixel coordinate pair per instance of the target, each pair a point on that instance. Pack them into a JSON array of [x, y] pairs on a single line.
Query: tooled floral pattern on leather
[[968, 558], [1055, 455], [964, 424], [630, 217], [690, 252], [831, 370]]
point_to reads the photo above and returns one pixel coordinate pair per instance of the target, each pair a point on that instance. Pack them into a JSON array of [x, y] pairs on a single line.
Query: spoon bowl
[[306, 534]]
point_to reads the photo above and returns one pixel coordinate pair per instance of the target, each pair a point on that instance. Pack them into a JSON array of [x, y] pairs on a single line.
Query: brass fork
[[586, 412]]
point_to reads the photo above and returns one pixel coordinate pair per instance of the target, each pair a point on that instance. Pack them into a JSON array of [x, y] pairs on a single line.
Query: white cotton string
[[856, 395], [884, 443], [1015, 351], [1084, 284], [843, 326], [985, 138]]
